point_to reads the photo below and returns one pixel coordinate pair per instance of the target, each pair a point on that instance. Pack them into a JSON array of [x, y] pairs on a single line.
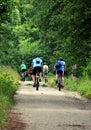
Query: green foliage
[[71, 84], [4, 105], [83, 86], [52, 28], [51, 80], [64, 29], [16, 19], [48, 28], [8, 86], [87, 69]]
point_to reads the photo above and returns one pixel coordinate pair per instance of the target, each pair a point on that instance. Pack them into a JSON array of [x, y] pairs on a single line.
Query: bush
[[87, 70], [4, 105], [83, 86], [8, 86], [51, 80]]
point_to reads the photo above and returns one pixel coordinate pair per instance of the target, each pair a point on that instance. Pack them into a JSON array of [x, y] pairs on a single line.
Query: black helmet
[[36, 56], [60, 58]]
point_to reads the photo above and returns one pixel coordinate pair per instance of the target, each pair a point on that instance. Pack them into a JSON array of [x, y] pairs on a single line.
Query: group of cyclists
[[36, 65], [43, 69]]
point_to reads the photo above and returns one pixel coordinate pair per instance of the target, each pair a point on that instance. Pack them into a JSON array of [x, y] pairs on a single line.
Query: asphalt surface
[[49, 109]]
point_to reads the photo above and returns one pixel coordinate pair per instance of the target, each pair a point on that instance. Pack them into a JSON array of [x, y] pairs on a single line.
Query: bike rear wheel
[[59, 85], [37, 84]]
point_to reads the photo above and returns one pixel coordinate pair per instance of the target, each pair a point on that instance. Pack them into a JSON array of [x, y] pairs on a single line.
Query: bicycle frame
[[37, 81]]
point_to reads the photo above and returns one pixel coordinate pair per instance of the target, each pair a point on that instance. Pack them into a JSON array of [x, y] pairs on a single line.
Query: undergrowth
[[8, 87], [83, 85]]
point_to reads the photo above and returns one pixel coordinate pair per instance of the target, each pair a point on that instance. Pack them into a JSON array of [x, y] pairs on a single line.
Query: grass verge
[[8, 87], [83, 85]]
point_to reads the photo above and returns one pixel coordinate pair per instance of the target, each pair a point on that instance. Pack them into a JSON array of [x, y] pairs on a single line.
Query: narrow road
[[49, 109]]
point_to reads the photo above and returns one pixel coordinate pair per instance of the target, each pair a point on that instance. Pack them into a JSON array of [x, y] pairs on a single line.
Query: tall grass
[[51, 80], [8, 86], [83, 85]]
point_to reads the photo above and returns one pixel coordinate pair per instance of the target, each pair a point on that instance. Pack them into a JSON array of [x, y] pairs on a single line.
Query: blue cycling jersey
[[62, 65], [37, 62]]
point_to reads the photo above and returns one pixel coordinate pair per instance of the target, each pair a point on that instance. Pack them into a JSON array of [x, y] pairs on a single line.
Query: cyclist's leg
[[60, 75], [34, 76], [40, 76], [46, 78], [56, 77], [40, 73], [43, 73], [63, 78]]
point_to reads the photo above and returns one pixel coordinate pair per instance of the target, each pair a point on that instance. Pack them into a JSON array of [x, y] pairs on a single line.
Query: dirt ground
[[48, 109], [13, 121]]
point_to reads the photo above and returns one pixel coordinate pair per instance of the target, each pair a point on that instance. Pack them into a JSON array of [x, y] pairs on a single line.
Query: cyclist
[[45, 70], [60, 67], [23, 68], [30, 71], [37, 65]]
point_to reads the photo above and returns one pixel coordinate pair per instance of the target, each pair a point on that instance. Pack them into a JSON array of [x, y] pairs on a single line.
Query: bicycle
[[37, 81], [59, 82]]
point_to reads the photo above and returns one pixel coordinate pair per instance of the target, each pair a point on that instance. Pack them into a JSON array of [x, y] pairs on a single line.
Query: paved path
[[49, 109]]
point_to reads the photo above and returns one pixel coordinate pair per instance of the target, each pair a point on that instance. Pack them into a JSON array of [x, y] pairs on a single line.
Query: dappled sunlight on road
[[46, 90]]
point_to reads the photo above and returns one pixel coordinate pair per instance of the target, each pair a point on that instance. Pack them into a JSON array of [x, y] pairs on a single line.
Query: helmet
[[36, 55], [60, 58]]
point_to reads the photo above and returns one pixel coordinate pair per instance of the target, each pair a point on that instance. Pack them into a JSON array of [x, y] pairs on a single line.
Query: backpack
[[58, 64], [37, 61]]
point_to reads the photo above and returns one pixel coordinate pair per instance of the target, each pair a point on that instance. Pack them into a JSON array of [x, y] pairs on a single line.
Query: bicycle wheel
[[59, 83], [37, 84], [59, 86]]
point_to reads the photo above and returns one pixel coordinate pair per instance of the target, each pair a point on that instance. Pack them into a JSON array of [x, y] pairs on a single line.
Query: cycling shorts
[[45, 73], [60, 72], [35, 69]]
